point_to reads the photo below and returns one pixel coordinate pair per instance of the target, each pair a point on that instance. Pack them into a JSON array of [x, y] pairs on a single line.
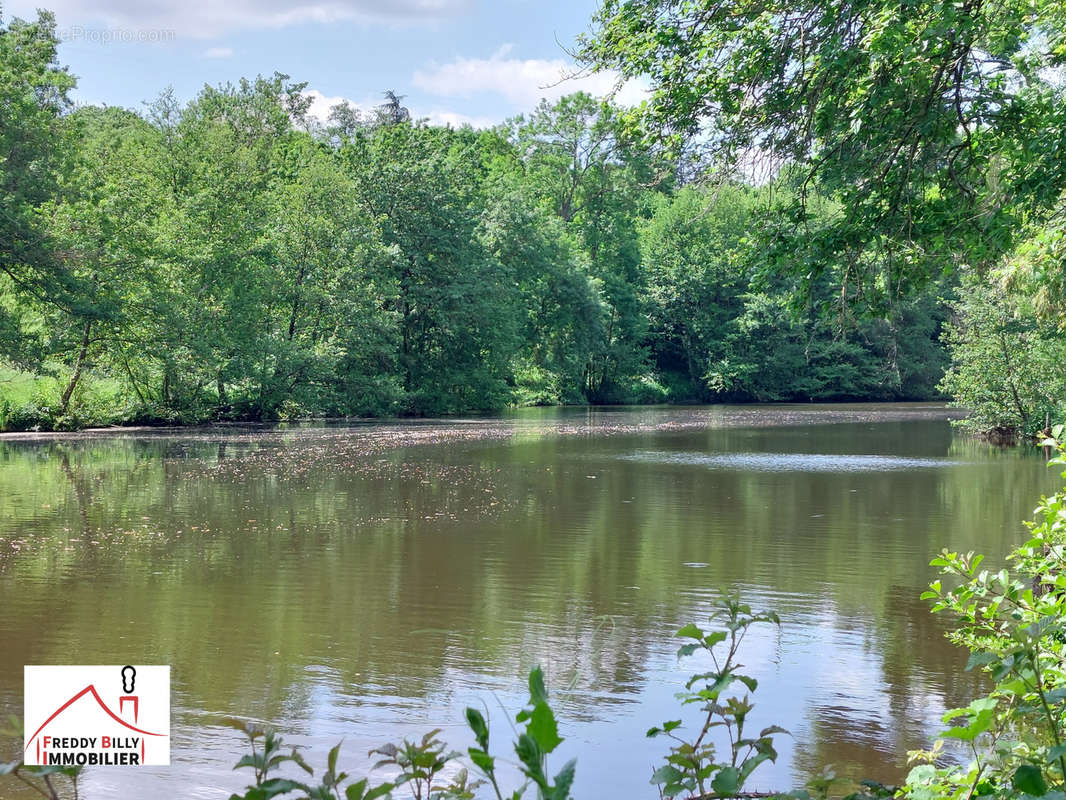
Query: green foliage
[[35, 151], [692, 766], [920, 119], [694, 249], [1011, 620], [267, 757], [580, 169], [453, 302], [1006, 362], [533, 745], [419, 763], [738, 335], [1037, 267], [912, 143], [227, 258]]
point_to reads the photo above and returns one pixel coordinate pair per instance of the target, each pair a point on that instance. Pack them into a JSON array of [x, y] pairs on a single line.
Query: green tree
[[1006, 362], [35, 143], [579, 165], [101, 226], [453, 300], [562, 310], [694, 251], [923, 120]]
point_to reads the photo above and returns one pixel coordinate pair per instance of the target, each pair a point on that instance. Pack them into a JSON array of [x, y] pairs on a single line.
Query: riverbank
[[676, 417]]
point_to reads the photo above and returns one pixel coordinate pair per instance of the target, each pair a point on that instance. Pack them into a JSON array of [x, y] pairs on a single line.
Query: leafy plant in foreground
[[1012, 621], [692, 765], [269, 756], [534, 744], [420, 764]]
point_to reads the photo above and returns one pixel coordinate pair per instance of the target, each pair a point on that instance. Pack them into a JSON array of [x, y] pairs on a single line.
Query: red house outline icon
[[90, 689]]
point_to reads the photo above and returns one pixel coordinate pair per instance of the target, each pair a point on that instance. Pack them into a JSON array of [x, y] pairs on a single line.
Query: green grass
[[19, 388], [29, 402]]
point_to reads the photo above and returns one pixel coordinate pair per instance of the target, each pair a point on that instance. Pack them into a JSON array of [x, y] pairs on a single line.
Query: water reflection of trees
[[404, 568]]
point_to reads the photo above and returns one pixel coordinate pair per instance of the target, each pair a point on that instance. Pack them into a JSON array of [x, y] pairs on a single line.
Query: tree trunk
[[64, 402]]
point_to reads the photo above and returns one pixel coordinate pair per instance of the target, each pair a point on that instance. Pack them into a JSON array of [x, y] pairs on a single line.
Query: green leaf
[[482, 760], [276, 786], [356, 790], [726, 782], [537, 691], [379, 791], [690, 631], [980, 659], [1029, 779], [749, 764], [543, 728], [479, 726], [529, 753], [666, 774], [253, 761], [981, 714], [299, 759], [751, 683], [564, 780], [717, 637]]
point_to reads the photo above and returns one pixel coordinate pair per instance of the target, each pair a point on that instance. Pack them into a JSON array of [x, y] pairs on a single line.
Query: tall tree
[[578, 162], [35, 145], [393, 111], [453, 300], [931, 122]]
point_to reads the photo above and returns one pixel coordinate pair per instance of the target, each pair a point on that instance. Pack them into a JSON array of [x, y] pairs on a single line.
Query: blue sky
[[456, 61]]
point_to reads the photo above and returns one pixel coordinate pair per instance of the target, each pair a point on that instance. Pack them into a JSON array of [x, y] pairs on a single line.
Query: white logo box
[[96, 715]]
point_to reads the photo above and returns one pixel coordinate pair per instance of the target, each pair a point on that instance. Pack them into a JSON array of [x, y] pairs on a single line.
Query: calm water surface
[[368, 582]]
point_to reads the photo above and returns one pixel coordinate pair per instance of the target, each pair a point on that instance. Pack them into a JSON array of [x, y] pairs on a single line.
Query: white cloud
[[218, 52], [443, 118], [321, 104], [523, 82], [209, 18]]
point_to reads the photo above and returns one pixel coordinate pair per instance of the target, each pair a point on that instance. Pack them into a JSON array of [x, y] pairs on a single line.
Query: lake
[[367, 582]]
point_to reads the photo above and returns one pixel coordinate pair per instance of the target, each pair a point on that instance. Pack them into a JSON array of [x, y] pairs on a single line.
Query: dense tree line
[[936, 129], [234, 258]]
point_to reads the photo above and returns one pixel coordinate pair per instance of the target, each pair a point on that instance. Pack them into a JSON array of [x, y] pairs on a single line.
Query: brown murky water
[[368, 582]]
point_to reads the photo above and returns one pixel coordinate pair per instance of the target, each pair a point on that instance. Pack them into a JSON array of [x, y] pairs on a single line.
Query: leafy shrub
[[1006, 363], [648, 389], [27, 417], [692, 766], [535, 385], [420, 764], [1013, 621]]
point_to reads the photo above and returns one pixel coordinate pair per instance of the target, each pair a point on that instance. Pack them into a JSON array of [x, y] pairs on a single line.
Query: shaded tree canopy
[[937, 126]]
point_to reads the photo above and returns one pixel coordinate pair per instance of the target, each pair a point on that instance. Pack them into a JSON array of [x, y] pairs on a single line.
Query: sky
[[455, 61]]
